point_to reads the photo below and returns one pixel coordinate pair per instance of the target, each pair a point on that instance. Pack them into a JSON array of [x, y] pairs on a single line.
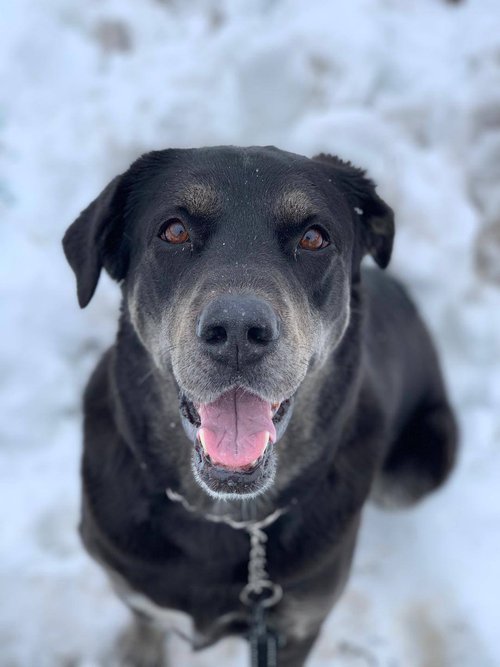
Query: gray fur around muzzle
[[241, 338]]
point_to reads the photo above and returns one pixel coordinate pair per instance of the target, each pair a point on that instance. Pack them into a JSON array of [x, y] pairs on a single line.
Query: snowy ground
[[410, 90]]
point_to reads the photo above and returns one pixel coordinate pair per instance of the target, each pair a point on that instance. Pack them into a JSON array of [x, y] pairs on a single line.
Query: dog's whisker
[[143, 379]]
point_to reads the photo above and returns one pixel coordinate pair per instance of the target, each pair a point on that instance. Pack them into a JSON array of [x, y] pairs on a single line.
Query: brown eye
[[174, 232], [313, 239]]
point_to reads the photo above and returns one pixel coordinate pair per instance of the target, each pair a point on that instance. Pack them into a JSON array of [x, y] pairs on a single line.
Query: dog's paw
[[419, 461], [139, 645], [401, 490]]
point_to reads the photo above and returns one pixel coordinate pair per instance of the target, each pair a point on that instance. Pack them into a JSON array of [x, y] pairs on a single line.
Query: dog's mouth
[[233, 441]]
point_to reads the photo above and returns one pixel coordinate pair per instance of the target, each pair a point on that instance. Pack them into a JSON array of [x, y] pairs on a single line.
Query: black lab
[[256, 368]]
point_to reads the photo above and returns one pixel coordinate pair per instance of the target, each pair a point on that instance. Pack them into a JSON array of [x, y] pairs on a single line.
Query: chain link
[[259, 588]]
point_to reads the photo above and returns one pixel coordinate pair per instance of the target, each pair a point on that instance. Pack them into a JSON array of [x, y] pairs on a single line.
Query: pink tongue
[[236, 428]]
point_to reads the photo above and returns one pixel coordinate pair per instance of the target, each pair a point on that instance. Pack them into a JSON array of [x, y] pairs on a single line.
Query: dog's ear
[[95, 240], [376, 218]]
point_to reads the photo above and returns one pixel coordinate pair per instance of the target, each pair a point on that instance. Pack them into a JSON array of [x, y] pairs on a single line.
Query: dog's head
[[236, 268]]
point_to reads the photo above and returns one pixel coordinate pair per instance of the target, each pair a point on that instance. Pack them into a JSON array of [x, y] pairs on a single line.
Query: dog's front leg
[[141, 644], [295, 651]]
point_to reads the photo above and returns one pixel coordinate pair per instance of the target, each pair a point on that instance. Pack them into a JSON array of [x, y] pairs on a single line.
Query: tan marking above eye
[[201, 200], [313, 239], [175, 232], [294, 206]]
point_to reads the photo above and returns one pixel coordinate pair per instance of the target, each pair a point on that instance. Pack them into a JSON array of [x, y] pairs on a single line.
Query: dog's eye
[[313, 239], [174, 232]]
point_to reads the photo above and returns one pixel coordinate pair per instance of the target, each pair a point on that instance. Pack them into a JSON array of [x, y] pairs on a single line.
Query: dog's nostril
[[237, 329], [216, 334], [258, 335]]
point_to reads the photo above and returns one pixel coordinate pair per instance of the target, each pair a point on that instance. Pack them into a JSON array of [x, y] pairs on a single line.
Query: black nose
[[237, 330]]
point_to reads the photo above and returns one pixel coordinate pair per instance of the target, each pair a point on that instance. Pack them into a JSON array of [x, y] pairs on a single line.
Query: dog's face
[[237, 267]]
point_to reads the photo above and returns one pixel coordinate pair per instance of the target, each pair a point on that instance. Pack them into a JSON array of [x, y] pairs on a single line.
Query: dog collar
[[259, 582], [260, 593]]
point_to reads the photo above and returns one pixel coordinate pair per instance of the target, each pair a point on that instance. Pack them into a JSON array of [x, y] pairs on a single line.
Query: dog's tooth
[[201, 437]]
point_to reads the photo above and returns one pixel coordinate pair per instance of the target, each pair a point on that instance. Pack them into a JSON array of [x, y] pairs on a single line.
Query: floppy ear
[[376, 218], [95, 240]]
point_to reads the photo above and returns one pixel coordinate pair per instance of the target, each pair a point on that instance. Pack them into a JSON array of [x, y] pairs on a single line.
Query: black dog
[[256, 368]]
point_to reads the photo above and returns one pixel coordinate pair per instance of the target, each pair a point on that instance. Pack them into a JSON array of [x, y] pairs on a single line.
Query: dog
[[257, 368]]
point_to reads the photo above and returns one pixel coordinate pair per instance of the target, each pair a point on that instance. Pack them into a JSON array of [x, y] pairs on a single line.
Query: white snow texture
[[409, 90]]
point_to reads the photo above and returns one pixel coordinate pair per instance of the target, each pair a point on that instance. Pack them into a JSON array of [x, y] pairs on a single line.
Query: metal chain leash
[[259, 587]]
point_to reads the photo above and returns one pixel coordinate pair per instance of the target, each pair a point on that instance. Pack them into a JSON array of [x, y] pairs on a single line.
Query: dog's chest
[[293, 618], [175, 620]]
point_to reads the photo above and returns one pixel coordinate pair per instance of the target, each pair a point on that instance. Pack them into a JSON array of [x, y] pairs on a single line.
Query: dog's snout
[[237, 330]]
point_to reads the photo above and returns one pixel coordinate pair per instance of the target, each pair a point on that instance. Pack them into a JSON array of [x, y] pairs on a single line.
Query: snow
[[408, 90]]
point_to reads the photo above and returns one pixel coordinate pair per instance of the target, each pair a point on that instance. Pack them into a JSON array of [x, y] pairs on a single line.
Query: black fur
[[369, 413]]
